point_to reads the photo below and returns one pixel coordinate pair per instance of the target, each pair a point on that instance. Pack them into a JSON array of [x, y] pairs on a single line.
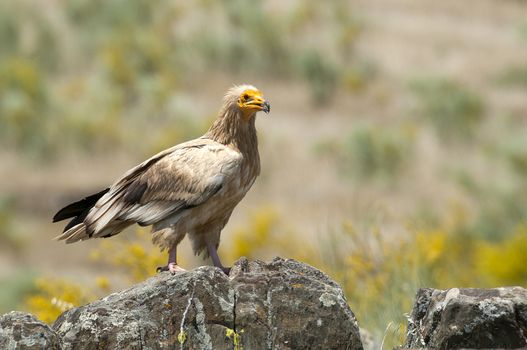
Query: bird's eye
[[245, 96]]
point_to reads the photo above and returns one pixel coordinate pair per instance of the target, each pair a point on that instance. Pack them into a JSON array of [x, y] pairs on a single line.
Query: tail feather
[[78, 210], [77, 220], [74, 234]]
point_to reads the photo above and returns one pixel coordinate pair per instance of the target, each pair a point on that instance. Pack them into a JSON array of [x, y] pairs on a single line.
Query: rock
[[469, 318], [19, 330], [283, 304]]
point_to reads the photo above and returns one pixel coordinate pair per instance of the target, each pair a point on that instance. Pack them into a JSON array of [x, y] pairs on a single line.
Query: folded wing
[[179, 178]]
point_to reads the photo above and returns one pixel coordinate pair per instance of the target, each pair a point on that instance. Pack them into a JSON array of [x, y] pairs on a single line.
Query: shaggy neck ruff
[[235, 130]]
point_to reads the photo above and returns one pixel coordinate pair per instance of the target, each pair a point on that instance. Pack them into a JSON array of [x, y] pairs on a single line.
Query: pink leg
[[216, 259], [172, 265]]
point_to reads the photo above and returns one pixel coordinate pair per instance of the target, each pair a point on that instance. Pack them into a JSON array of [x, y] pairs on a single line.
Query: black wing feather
[[78, 208]]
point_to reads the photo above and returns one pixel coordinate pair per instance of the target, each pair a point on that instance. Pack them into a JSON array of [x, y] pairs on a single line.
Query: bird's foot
[[172, 267], [226, 270]]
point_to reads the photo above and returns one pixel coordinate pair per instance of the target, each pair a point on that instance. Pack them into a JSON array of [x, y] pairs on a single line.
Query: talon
[[173, 268], [226, 270], [162, 268]]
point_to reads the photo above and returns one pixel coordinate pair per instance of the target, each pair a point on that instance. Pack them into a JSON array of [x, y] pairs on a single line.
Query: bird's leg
[[172, 265], [216, 259]]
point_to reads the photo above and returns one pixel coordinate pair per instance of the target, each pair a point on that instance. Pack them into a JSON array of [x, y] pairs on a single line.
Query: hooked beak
[[266, 107], [259, 104]]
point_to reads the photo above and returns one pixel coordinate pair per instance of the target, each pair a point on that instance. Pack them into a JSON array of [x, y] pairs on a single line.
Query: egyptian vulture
[[191, 188]]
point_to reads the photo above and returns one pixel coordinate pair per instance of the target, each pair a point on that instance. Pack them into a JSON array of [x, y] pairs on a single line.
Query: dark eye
[[245, 96]]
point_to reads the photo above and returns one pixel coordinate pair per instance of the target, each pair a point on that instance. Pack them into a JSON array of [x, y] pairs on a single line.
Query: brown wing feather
[[179, 178]]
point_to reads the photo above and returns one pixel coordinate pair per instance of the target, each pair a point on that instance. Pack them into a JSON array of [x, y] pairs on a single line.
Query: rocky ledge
[[283, 304], [469, 318]]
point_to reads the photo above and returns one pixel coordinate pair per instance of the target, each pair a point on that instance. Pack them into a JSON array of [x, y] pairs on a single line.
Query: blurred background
[[395, 155]]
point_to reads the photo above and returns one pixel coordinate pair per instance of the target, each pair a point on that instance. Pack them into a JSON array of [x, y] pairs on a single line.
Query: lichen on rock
[[283, 304], [22, 331], [469, 318]]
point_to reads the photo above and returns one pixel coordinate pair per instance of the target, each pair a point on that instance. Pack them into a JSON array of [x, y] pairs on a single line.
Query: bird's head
[[248, 100], [235, 123]]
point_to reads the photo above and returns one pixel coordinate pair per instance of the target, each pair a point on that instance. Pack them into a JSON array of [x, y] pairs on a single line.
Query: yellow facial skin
[[252, 101]]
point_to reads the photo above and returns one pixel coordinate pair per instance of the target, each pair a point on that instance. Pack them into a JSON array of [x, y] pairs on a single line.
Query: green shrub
[[372, 152], [9, 237], [454, 111], [24, 104], [26, 33], [499, 210], [514, 76], [14, 287], [321, 74]]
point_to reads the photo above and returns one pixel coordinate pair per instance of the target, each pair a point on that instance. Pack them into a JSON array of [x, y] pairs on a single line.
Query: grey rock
[[283, 304], [19, 330], [469, 318]]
